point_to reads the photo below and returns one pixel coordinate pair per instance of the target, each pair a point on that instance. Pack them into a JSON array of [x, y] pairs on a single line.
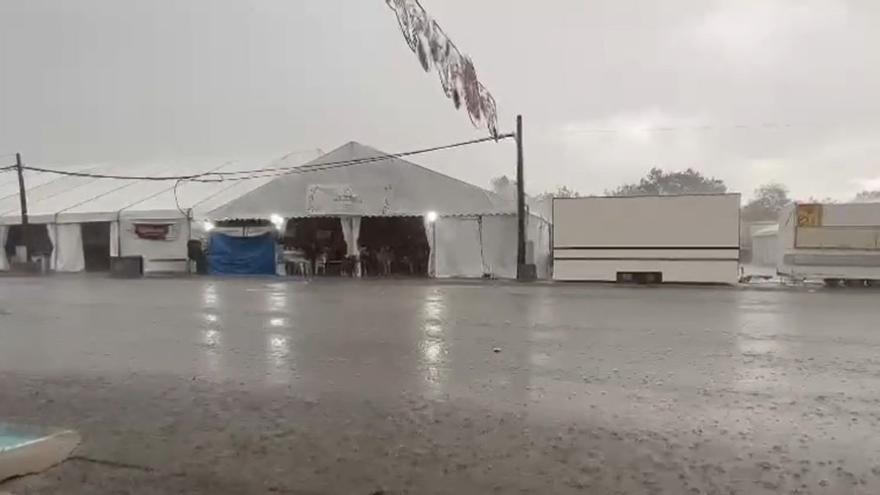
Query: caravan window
[[155, 231]]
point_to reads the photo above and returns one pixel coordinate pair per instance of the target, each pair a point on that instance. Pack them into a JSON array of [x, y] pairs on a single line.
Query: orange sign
[[152, 232], [809, 215]]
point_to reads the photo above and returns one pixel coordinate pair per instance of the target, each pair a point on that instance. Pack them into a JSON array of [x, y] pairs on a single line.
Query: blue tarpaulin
[[229, 255]]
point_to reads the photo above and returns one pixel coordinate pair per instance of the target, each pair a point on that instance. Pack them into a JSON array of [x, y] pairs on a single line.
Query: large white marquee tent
[[474, 234], [64, 204]]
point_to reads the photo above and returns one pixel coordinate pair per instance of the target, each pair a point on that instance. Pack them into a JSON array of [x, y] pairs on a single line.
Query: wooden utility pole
[[520, 202], [22, 192]]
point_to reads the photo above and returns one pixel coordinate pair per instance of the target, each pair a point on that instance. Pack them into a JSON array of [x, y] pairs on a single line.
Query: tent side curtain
[[540, 234], [458, 249], [4, 262], [499, 245], [430, 233], [481, 246], [114, 239], [68, 255], [52, 231], [351, 232]]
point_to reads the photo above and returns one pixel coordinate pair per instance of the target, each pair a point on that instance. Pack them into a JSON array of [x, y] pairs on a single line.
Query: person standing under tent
[[364, 260], [385, 260]]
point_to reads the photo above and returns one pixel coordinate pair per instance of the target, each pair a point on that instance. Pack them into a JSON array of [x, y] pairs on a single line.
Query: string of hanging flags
[[458, 75]]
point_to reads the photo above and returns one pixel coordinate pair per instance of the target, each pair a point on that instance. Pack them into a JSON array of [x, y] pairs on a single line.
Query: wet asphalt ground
[[346, 387]]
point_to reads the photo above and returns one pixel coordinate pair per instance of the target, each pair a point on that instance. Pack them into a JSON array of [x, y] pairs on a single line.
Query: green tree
[[827, 200], [769, 199], [565, 192], [867, 197], [561, 192], [658, 182], [504, 187]]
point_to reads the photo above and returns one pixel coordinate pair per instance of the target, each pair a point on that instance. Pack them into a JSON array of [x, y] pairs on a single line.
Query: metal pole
[[22, 192], [520, 202]]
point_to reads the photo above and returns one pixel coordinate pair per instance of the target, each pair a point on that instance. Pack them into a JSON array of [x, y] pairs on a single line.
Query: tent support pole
[[22, 193], [524, 272], [119, 234], [189, 236]]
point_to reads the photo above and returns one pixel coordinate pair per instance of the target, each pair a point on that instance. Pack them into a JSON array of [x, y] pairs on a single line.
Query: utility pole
[[22, 192], [520, 205]]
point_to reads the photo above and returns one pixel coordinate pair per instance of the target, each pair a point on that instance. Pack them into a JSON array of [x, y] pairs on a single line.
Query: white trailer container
[[683, 239], [832, 242]]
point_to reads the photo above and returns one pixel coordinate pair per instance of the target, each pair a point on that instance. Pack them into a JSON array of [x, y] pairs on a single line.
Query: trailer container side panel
[[830, 241], [692, 238]]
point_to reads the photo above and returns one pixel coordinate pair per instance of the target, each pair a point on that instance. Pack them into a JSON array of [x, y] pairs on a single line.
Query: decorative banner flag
[[333, 199], [457, 72]]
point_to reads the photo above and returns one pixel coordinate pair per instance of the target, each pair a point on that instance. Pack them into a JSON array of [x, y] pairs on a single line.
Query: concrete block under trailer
[[680, 239], [837, 243]]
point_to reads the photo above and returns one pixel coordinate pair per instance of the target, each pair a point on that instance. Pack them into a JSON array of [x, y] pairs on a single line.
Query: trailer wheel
[[831, 282], [872, 283]]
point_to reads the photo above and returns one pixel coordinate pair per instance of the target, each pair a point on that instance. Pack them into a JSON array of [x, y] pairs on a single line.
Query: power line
[[176, 199], [266, 172], [765, 126], [269, 173], [358, 161], [71, 173], [282, 171]]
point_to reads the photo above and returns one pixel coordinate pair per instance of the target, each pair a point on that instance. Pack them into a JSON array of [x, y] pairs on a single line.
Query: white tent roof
[[390, 187], [55, 198], [769, 230]]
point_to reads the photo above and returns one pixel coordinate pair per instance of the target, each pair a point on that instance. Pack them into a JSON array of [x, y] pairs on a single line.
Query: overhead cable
[[266, 171], [72, 173]]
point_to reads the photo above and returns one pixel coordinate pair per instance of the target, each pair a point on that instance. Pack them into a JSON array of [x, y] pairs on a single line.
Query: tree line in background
[[765, 204]]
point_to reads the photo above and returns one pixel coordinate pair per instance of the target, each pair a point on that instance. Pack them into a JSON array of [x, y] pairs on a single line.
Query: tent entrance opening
[[320, 241], [393, 246], [39, 243], [96, 246]]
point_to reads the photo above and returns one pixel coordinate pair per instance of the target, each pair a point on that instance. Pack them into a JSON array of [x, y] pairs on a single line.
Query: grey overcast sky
[[750, 91]]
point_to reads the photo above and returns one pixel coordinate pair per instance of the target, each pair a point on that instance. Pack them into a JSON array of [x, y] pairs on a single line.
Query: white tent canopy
[[390, 187], [59, 201], [475, 232], [765, 246], [66, 199]]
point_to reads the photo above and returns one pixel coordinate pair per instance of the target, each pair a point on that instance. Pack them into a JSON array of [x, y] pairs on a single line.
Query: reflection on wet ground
[[397, 385]]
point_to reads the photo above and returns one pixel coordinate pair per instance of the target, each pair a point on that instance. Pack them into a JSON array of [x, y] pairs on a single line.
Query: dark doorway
[[320, 239], [96, 246], [640, 277], [38, 240], [394, 246]]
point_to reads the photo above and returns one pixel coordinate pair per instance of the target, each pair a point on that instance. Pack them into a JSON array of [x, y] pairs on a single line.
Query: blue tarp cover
[[229, 255]]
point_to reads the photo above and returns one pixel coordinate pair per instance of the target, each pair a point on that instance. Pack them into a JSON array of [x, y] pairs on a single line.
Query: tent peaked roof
[[64, 199], [388, 186]]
